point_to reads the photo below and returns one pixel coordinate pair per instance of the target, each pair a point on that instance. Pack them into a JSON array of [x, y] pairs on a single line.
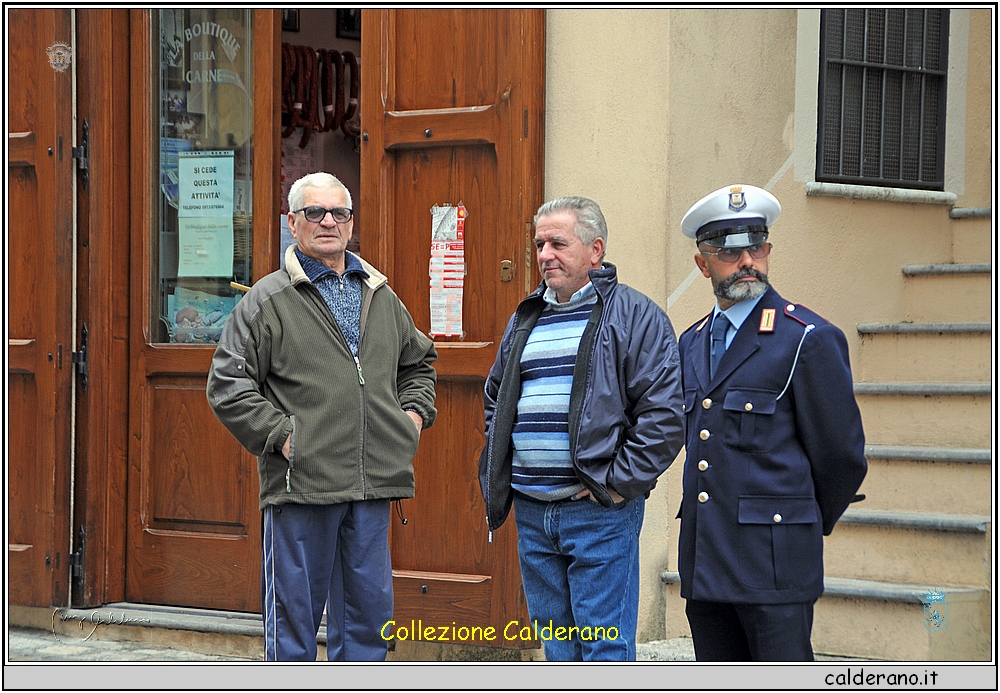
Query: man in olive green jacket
[[321, 373]]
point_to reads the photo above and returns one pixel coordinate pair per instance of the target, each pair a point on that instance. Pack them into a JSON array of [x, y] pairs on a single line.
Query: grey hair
[[315, 180], [590, 223]]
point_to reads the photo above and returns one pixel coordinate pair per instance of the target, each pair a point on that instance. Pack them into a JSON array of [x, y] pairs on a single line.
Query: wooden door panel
[[471, 180], [195, 469], [442, 598], [40, 338], [447, 504], [26, 481], [193, 520], [446, 58], [193, 534], [454, 117]]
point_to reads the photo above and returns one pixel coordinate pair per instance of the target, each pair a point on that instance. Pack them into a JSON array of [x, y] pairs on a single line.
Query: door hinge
[[76, 558], [80, 358], [81, 153]]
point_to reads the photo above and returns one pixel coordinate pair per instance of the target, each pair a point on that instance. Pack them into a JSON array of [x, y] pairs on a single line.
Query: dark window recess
[[882, 97]]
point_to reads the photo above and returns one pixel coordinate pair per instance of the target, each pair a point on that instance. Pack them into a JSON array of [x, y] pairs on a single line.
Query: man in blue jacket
[[583, 414], [775, 446]]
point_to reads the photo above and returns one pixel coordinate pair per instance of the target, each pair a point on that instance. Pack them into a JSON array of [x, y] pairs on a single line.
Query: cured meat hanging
[[315, 93]]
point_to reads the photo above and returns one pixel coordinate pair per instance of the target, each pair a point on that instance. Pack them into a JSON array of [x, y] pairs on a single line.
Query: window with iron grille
[[882, 97]]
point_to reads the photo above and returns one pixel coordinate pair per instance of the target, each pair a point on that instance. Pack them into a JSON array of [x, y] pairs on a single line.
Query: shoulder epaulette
[[804, 315]]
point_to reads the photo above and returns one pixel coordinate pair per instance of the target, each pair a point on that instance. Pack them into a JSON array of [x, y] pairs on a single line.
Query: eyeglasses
[[731, 255], [317, 214]]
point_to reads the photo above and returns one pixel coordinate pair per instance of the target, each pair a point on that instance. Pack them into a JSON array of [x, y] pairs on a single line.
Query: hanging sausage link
[[311, 120], [352, 105], [311, 80]]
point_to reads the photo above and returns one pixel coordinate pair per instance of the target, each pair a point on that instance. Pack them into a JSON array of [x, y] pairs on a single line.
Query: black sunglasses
[[317, 214]]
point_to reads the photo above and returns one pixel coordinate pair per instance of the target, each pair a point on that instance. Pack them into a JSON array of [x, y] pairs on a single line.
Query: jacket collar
[[745, 343], [604, 279], [297, 275]]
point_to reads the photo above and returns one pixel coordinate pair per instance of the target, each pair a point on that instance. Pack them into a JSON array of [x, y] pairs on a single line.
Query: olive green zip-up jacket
[[283, 367]]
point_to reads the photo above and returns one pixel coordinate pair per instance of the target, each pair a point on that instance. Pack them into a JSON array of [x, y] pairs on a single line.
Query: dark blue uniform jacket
[[773, 457]]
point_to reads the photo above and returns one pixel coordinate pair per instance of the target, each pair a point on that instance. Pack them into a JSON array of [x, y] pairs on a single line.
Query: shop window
[[882, 97], [202, 225]]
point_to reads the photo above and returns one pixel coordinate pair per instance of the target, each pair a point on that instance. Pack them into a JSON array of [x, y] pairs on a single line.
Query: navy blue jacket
[[625, 420], [773, 457]]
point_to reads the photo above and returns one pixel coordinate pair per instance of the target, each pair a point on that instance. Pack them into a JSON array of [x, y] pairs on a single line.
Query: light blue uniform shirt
[[737, 315]]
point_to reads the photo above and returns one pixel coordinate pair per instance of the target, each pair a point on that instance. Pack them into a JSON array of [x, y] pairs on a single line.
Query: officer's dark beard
[[729, 290]]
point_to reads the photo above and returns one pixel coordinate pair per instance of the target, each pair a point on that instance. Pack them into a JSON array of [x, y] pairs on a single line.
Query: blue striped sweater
[[542, 467]]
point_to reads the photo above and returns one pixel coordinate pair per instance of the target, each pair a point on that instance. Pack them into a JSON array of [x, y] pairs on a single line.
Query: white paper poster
[[205, 180], [447, 269], [205, 247], [205, 214]]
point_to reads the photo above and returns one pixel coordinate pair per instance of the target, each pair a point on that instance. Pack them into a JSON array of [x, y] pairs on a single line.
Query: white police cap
[[733, 216]]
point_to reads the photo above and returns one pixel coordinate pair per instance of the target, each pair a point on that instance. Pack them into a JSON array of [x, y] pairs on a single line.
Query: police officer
[[775, 446]]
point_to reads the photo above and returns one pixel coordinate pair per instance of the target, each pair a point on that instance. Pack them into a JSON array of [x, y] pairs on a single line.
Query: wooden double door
[[166, 512]]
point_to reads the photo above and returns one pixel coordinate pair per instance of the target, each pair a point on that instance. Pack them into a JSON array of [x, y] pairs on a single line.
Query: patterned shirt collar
[[316, 270]]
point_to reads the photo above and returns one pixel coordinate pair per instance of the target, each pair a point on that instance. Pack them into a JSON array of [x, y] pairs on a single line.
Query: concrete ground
[[127, 632], [34, 645]]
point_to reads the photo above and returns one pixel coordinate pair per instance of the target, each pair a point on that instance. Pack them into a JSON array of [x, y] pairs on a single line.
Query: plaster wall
[[647, 111]]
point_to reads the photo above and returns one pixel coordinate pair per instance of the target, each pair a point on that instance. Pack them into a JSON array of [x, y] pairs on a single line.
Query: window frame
[[941, 130]]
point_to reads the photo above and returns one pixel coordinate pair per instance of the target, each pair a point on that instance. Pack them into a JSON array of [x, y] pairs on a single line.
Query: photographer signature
[[98, 619]]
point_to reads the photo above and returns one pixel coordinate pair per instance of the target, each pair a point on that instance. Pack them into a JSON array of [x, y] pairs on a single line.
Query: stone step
[[910, 546], [928, 479], [886, 620], [948, 414], [971, 234], [880, 620], [947, 292], [930, 352]]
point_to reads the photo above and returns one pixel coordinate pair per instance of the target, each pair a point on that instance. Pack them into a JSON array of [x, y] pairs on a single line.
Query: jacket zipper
[[366, 302], [489, 454], [590, 366], [365, 305]]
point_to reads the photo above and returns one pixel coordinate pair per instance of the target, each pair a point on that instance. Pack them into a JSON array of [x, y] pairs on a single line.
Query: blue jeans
[[580, 569]]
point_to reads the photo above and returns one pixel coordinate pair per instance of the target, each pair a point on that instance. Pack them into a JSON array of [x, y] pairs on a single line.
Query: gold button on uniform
[[777, 517], [702, 497], [703, 465], [706, 403], [748, 406], [704, 434]]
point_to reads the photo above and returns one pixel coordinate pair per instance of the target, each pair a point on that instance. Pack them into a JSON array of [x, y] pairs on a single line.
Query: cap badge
[[737, 202]]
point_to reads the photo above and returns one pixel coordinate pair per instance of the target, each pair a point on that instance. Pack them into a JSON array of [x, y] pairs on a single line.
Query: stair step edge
[[920, 453], [924, 327], [923, 388], [949, 268], [875, 589], [908, 519]]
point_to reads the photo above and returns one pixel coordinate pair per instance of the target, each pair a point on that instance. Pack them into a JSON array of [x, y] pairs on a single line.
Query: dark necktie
[[719, 329]]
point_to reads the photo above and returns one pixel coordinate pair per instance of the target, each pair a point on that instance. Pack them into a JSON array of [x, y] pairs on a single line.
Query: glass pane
[[202, 225]]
